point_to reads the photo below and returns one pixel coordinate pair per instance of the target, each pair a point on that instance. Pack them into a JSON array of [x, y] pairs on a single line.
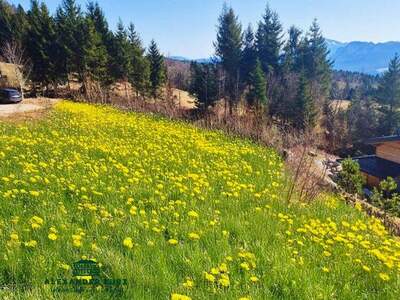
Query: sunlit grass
[[177, 211]]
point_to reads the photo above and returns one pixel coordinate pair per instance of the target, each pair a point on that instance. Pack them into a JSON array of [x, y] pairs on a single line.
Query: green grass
[[190, 204]]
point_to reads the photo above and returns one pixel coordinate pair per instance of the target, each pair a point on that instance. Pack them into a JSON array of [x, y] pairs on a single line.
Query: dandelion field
[[177, 211]]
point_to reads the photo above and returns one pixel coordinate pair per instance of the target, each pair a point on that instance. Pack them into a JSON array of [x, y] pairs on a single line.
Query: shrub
[[350, 178], [386, 196]]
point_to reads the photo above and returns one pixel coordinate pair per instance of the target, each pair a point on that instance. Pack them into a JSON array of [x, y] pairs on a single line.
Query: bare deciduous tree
[[13, 53]]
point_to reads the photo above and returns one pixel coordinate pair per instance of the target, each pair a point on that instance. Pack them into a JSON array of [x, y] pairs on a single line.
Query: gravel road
[[28, 105]]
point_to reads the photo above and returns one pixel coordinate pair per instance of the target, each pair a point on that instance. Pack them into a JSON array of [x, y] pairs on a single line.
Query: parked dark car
[[8, 96]]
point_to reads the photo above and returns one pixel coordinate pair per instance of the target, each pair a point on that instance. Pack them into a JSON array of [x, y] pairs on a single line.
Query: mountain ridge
[[355, 56], [359, 56]]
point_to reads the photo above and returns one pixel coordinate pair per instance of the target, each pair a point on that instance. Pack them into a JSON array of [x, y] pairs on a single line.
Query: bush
[[386, 197], [350, 178]]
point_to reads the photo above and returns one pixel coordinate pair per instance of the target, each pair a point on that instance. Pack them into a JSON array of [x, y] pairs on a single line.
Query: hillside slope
[[177, 212]]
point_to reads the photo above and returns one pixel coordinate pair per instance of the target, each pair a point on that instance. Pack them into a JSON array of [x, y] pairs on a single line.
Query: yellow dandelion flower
[[254, 279], [214, 271], [194, 236], [193, 214], [384, 276], [358, 206], [325, 269], [209, 277], [52, 236], [31, 244], [14, 237], [366, 268], [327, 253], [224, 280], [128, 242], [245, 266], [180, 297], [65, 266], [133, 211], [188, 283], [35, 225], [223, 268], [173, 242], [34, 193], [77, 243], [95, 247]]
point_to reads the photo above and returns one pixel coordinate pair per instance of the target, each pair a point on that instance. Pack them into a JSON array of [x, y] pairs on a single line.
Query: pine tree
[[363, 120], [258, 87], [229, 49], [389, 98], [6, 24], [69, 21], [204, 84], [249, 56], [291, 57], [95, 58], [121, 66], [316, 62], [140, 69], [269, 41], [157, 69], [96, 14], [41, 46], [305, 107], [20, 24]]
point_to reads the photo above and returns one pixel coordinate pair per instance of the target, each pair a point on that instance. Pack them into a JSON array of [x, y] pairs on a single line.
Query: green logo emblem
[[84, 268]]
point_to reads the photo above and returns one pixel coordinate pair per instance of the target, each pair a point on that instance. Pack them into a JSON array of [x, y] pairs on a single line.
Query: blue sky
[[187, 27]]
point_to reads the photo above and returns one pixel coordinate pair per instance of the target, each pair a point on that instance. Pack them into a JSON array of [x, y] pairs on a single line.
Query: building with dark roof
[[385, 163]]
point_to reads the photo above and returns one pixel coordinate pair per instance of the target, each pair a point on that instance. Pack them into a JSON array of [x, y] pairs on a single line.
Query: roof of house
[[378, 167], [378, 140]]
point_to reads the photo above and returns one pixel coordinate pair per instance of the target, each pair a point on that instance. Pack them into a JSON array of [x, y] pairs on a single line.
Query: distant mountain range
[[185, 59], [364, 57]]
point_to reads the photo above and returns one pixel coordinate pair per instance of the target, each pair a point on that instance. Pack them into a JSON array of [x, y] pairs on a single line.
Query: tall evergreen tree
[[269, 41], [69, 21], [95, 58], [258, 87], [249, 56], [20, 24], [96, 14], [204, 84], [389, 98], [291, 51], [40, 45], [229, 49], [120, 54], [363, 120], [6, 23], [157, 68], [139, 75], [306, 115], [316, 62]]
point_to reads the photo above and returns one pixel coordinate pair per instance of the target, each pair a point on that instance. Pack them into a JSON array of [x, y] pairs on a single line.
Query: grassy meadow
[[177, 211]]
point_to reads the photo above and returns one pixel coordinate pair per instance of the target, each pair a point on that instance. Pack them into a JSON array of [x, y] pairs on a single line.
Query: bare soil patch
[[31, 108]]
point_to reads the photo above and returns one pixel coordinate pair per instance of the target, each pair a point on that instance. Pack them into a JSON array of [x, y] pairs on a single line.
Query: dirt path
[[26, 106]]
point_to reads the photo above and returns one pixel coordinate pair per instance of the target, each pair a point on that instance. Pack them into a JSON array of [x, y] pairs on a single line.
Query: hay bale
[[8, 76]]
